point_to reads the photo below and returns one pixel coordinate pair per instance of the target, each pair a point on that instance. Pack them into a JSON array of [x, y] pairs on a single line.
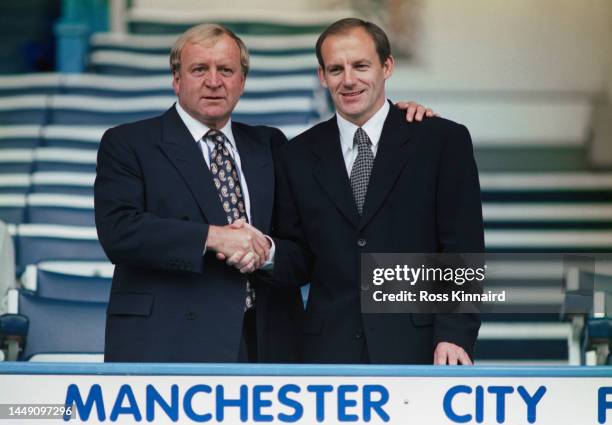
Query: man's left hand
[[415, 111], [449, 353]]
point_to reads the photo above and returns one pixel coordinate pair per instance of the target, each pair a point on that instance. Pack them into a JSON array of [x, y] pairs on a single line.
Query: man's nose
[[212, 79], [349, 78]]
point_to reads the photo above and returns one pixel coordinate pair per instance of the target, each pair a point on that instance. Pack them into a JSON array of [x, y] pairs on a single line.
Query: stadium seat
[[15, 183], [72, 136], [15, 161], [28, 84], [62, 182], [92, 110], [56, 330], [19, 136], [12, 208], [547, 212], [588, 303], [282, 86], [117, 86], [45, 242], [76, 281], [64, 159], [31, 109], [58, 208], [277, 111]]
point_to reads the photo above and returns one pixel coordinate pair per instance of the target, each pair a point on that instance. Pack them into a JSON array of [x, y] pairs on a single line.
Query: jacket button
[[361, 243], [190, 315], [359, 334]]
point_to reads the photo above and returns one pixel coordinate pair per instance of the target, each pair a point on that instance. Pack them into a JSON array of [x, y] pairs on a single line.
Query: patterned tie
[[360, 173], [227, 182]]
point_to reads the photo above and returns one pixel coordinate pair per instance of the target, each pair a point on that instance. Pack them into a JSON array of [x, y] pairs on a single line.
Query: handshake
[[240, 245]]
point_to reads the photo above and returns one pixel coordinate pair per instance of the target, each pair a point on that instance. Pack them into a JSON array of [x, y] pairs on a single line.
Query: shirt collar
[[198, 130], [373, 128]]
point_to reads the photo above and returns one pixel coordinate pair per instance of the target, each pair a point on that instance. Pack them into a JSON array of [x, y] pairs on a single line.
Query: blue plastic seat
[[55, 329], [30, 109], [43, 242], [91, 110], [16, 161], [51, 208], [70, 183], [29, 84], [75, 280], [15, 183], [12, 208], [72, 136], [20, 136], [65, 159], [117, 86]]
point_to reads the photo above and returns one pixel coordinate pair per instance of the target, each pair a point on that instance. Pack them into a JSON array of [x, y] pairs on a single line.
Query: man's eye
[[199, 70], [226, 72]]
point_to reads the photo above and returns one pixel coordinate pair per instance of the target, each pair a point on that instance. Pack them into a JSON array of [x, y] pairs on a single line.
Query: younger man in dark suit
[[368, 181]]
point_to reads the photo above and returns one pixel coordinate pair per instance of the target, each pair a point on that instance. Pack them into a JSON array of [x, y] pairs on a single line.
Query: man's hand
[[246, 246], [448, 353], [415, 111]]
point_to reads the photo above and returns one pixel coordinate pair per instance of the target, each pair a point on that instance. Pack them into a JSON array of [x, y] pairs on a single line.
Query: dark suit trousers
[[248, 341]]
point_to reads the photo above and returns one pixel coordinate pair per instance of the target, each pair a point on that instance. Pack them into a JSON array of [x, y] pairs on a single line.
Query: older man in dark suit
[[368, 181], [165, 191]]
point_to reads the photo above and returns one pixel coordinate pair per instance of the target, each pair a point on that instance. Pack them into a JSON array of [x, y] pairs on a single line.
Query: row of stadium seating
[[79, 110], [148, 55], [135, 86], [74, 295]]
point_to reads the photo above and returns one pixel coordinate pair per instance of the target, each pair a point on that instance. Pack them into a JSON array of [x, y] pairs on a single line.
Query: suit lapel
[[330, 170], [258, 172], [185, 154], [393, 151]]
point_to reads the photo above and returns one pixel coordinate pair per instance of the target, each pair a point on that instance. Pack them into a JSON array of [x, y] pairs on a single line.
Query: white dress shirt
[[198, 131], [373, 128]]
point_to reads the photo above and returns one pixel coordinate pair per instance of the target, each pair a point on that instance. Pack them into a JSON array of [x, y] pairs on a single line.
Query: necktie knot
[[215, 136], [361, 139]]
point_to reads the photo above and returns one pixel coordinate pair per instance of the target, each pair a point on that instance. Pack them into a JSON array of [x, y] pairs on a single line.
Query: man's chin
[[352, 112]]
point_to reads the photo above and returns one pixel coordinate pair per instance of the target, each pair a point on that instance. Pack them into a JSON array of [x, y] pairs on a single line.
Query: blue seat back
[[69, 210], [12, 208], [41, 242], [62, 326], [77, 281]]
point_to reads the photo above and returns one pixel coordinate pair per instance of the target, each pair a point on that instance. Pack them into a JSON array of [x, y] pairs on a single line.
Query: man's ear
[[243, 84], [176, 82], [321, 74], [388, 67]]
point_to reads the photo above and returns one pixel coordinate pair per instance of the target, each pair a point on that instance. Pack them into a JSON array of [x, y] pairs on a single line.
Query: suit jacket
[[423, 197], [154, 202]]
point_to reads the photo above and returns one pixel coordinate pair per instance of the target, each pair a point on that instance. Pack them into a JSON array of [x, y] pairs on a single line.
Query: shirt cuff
[[269, 264]]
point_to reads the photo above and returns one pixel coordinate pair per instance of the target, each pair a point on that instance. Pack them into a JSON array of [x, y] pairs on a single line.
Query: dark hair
[[381, 42]]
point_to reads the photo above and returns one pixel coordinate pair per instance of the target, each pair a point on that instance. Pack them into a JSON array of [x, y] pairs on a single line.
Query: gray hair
[[206, 33]]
